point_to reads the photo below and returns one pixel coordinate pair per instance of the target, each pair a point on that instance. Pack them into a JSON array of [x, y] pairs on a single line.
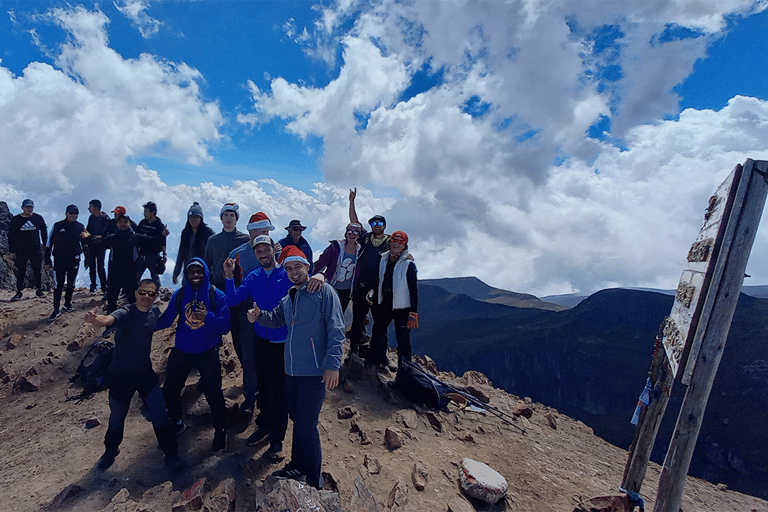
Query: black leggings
[[208, 364]]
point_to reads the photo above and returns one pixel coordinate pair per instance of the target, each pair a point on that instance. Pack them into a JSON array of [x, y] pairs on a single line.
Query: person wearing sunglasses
[[131, 371], [294, 237], [373, 244]]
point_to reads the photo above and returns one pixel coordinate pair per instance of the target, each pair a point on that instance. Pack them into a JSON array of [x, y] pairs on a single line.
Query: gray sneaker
[[56, 314], [16, 297]]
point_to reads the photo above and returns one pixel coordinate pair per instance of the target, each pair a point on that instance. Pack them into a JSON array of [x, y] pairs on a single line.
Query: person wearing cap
[[96, 251], [65, 244], [396, 299], [203, 319], [337, 263], [312, 352], [25, 233], [153, 250], [194, 237], [118, 212], [294, 237], [265, 286], [122, 263], [373, 244], [243, 335]]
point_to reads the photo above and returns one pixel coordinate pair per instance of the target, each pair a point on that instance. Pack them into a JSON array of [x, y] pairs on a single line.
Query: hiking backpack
[[92, 371], [418, 386]]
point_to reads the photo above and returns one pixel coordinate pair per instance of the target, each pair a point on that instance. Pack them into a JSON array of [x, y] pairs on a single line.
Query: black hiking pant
[[34, 255], [65, 271]]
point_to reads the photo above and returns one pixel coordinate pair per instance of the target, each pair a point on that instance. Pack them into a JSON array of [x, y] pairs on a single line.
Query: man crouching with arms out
[[312, 358]]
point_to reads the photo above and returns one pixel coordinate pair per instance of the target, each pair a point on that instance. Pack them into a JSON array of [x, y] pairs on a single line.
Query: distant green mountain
[[478, 290]]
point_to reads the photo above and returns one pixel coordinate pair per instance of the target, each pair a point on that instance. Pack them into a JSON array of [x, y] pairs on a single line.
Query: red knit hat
[[292, 253], [259, 221], [400, 237]]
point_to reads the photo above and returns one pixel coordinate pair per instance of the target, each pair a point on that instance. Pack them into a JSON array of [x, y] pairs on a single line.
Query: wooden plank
[[690, 299], [739, 237]]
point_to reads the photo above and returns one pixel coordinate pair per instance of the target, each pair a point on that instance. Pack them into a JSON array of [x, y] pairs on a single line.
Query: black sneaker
[[92, 292], [289, 473], [179, 427], [16, 297], [257, 437], [107, 459], [67, 308], [40, 293], [220, 440], [56, 314]]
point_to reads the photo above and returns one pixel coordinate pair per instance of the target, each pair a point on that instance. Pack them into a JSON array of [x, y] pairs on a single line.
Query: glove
[[413, 320]]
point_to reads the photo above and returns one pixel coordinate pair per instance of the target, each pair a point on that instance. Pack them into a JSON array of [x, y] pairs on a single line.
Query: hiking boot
[[220, 440], [179, 427], [40, 293], [92, 292], [67, 308], [174, 463], [16, 297], [56, 314], [257, 437], [108, 332], [289, 473], [275, 452], [107, 459]]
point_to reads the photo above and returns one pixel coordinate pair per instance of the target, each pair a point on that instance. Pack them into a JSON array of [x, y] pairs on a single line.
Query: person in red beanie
[[396, 298]]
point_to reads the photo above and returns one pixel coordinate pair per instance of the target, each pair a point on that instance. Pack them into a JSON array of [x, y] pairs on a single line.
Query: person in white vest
[[396, 299]]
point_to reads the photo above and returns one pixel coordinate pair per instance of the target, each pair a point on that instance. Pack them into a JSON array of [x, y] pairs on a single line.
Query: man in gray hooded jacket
[[313, 352]]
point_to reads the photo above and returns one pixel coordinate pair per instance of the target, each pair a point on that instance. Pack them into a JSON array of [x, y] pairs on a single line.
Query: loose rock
[[393, 438], [479, 481], [362, 499], [419, 476], [344, 413], [398, 498]]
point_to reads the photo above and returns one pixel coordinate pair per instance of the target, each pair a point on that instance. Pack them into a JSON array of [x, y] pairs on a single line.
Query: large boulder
[[479, 481]]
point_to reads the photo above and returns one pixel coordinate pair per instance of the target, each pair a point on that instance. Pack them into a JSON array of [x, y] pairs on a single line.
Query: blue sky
[[544, 150]]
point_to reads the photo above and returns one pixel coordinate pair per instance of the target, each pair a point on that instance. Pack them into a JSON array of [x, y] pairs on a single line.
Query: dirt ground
[[46, 446]]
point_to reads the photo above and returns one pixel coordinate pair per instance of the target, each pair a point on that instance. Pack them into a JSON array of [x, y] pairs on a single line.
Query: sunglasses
[[353, 232], [377, 223], [146, 293], [297, 229]]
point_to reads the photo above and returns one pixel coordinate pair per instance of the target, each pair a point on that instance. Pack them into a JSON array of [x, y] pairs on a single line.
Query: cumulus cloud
[[76, 122], [498, 153]]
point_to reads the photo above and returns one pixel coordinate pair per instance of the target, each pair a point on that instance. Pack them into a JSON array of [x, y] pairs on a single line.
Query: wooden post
[[732, 261], [662, 379]]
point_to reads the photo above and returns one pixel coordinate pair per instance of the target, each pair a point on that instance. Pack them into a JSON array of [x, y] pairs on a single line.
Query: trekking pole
[[471, 398]]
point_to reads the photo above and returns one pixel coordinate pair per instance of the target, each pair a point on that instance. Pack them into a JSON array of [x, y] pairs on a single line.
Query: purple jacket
[[329, 260]]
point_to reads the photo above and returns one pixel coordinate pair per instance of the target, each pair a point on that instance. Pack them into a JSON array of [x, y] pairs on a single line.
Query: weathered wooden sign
[[680, 326]]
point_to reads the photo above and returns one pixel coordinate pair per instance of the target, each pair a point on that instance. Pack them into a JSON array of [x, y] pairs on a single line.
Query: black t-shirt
[[151, 229], [370, 256], [133, 338]]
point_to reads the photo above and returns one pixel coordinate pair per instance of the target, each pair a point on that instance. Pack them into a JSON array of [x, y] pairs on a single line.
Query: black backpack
[[92, 371], [420, 387]]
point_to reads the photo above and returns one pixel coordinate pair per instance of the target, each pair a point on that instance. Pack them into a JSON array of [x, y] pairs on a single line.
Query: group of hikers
[[284, 312]]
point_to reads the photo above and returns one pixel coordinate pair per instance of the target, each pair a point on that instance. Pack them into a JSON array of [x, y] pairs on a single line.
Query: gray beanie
[[195, 209]]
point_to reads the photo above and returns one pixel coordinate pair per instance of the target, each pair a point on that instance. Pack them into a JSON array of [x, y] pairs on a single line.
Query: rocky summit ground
[[49, 445]]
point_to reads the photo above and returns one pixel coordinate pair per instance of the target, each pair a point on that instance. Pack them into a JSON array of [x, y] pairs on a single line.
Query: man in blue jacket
[[265, 286], [203, 319], [312, 359]]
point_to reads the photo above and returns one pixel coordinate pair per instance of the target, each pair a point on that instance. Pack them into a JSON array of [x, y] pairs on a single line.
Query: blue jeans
[[305, 397]]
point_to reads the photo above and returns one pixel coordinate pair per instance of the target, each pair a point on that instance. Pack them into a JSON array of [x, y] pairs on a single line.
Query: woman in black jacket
[[194, 236]]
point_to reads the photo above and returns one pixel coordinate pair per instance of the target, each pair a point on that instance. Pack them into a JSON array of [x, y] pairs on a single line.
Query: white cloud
[[135, 10], [84, 116], [488, 184]]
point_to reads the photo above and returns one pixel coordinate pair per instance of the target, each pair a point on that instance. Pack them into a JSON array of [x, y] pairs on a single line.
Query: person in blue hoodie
[[313, 349], [203, 319], [265, 286]]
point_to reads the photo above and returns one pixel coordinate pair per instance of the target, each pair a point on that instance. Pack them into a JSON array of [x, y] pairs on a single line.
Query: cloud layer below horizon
[[549, 156]]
